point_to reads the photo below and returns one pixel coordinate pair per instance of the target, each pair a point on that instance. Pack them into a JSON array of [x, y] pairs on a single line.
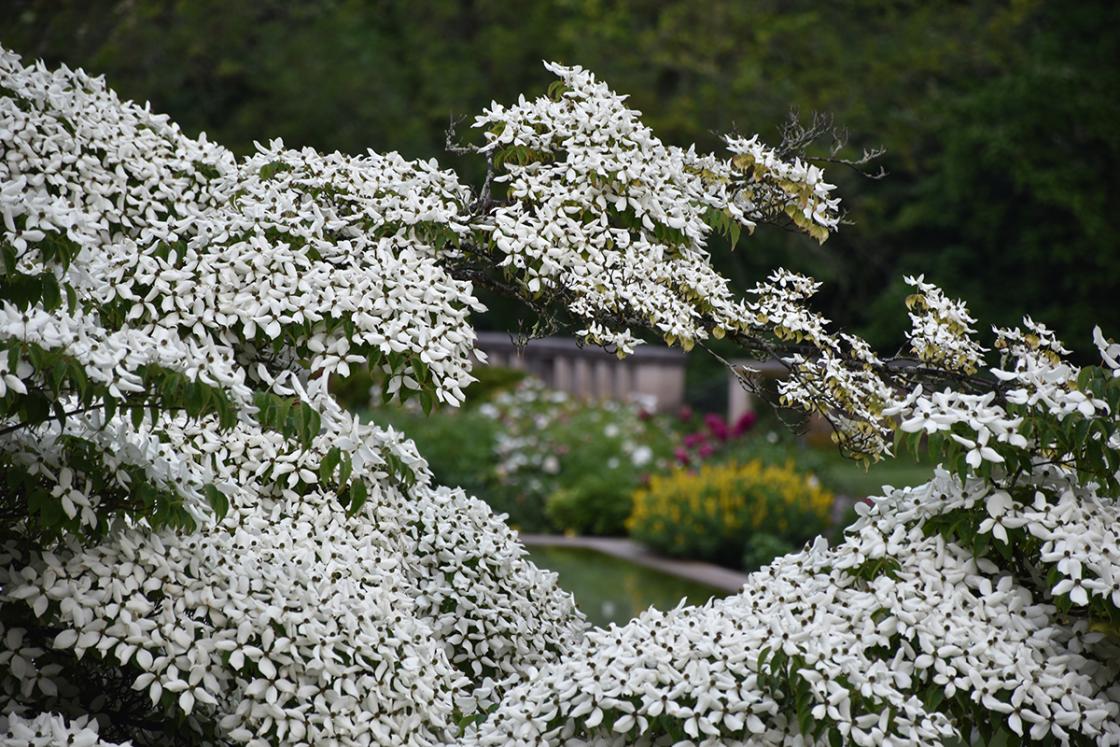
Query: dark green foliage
[[126, 489], [999, 119], [491, 381], [457, 445], [551, 465], [289, 416]]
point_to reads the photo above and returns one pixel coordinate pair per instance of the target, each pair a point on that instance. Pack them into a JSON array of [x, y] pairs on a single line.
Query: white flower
[[641, 456]]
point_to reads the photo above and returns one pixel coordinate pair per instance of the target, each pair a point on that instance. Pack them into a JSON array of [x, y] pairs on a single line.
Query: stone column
[[739, 400], [562, 373], [666, 383], [603, 378], [582, 377]]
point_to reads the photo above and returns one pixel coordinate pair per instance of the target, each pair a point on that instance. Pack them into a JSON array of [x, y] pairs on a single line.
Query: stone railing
[[652, 375]]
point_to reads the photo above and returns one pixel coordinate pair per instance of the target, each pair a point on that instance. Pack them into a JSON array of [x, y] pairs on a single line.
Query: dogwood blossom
[[603, 209], [199, 543], [858, 643], [162, 271]]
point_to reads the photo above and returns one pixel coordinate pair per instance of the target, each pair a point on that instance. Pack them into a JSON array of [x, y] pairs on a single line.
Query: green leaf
[[314, 423], [270, 170], [36, 407], [8, 257], [58, 375], [804, 719], [217, 500], [327, 465], [52, 295], [735, 230], [358, 495], [981, 542]]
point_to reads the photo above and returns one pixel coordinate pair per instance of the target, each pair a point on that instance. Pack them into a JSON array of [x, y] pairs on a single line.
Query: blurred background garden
[[998, 122]]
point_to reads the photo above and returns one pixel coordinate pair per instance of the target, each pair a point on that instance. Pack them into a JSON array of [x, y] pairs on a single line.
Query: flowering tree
[[200, 546]]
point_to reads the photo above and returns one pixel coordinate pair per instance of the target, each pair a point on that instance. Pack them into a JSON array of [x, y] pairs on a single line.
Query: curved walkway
[[627, 549]]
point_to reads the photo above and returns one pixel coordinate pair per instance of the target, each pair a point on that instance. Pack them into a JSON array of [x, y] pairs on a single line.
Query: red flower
[[745, 422]]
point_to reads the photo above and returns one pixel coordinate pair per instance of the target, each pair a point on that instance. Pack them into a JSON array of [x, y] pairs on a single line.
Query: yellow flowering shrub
[[713, 513]]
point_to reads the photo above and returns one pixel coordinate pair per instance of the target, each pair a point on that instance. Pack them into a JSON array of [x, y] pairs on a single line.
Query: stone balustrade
[[652, 375]]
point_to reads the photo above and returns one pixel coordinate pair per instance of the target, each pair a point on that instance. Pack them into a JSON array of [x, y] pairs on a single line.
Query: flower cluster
[[716, 436], [569, 465], [1039, 377], [897, 636], [941, 329], [205, 539], [532, 417], [601, 208], [796, 188], [199, 543], [46, 730], [716, 511]]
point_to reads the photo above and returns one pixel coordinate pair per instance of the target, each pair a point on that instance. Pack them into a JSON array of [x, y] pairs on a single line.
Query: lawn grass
[[854, 480]]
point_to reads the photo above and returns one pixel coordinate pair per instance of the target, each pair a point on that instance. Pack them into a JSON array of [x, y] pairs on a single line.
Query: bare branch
[[798, 140], [450, 143]]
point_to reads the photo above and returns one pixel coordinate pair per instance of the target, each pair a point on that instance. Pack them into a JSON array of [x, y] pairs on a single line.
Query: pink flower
[[745, 422], [681, 455], [705, 451], [684, 414], [694, 439], [716, 426]]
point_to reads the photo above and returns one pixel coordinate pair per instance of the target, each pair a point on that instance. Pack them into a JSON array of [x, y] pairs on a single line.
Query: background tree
[[998, 119]]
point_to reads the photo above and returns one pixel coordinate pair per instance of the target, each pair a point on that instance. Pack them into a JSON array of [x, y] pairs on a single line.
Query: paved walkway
[[704, 573]]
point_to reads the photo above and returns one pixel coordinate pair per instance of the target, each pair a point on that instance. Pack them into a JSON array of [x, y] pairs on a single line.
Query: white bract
[[199, 544], [285, 620], [603, 209], [860, 643]]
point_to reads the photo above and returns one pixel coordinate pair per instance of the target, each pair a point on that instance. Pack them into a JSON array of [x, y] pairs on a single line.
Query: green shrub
[[552, 462], [763, 547], [457, 444], [593, 505], [570, 465]]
